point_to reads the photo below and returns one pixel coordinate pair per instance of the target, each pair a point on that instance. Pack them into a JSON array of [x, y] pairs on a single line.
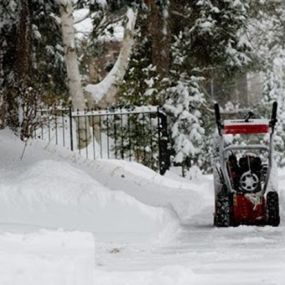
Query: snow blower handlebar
[[248, 126], [273, 120], [218, 118]]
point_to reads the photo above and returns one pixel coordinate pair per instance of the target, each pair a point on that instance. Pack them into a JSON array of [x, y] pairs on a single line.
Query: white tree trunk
[[104, 93], [74, 78], [2, 101]]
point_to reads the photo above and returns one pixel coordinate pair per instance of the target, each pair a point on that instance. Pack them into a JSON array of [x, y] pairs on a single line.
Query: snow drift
[[51, 193]]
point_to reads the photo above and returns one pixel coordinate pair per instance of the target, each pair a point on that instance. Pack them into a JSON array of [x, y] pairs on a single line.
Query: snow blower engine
[[245, 190]]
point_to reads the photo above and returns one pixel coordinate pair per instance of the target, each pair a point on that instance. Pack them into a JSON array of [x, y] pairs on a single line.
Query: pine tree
[[183, 104], [208, 44], [32, 65], [48, 61], [268, 34]]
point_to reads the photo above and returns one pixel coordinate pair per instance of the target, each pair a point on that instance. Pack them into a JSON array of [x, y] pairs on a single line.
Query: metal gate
[[134, 134]]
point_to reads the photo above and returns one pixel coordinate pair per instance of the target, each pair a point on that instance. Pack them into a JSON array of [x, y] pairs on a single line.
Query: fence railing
[[134, 134]]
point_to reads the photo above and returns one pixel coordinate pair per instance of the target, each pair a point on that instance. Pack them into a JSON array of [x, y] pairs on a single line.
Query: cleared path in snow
[[196, 253], [201, 254]]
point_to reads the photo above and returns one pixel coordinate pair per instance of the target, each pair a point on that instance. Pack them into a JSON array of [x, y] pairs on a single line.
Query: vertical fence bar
[[159, 139], [130, 138], [108, 142], [55, 123], [93, 134], [115, 136], [49, 114], [163, 153], [144, 138], [42, 125], [78, 131], [100, 133], [34, 130], [70, 128], [151, 146], [122, 133], [63, 127], [86, 132]]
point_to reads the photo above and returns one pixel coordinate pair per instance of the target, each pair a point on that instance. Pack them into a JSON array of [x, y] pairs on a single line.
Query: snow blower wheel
[[249, 182], [222, 216], [272, 203]]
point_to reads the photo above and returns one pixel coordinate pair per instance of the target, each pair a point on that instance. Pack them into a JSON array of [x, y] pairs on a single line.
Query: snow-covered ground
[[65, 220]]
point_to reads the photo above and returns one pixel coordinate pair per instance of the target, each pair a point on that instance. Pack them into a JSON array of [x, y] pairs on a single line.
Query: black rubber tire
[[222, 217], [272, 205]]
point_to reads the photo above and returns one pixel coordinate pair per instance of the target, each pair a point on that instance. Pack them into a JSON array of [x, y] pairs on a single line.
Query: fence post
[[70, 128], [163, 151]]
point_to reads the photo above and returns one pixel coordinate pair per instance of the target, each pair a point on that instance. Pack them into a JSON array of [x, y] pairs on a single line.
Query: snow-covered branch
[[105, 91], [177, 13], [82, 18]]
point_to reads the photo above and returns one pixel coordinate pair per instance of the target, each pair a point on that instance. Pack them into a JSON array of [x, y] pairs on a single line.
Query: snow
[[103, 3], [63, 2], [67, 220], [98, 90], [118, 111], [83, 23], [131, 16], [55, 194], [47, 258]]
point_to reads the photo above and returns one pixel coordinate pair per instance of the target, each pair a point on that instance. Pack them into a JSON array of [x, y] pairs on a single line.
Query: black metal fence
[[134, 134]]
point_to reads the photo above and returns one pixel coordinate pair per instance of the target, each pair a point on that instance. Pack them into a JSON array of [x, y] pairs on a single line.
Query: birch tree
[[2, 103], [104, 93], [72, 67]]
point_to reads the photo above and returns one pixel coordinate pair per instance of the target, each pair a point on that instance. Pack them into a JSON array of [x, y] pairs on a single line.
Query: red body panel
[[246, 129], [249, 210]]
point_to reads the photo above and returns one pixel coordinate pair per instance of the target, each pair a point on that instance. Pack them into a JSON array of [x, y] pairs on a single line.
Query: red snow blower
[[245, 193]]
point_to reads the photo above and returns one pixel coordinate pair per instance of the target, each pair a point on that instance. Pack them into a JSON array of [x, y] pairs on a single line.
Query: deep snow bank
[[49, 192], [185, 198], [46, 258]]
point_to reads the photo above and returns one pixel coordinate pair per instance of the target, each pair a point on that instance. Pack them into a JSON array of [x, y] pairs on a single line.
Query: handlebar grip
[[273, 116], [218, 117], [274, 111], [217, 112]]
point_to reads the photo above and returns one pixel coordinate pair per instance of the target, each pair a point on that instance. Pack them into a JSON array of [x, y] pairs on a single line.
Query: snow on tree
[[141, 84], [208, 43], [104, 93], [32, 65], [48, 52], [216, 33], [207, 40], [72, 67], [267, 30], [8, 12], [183, 105]]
